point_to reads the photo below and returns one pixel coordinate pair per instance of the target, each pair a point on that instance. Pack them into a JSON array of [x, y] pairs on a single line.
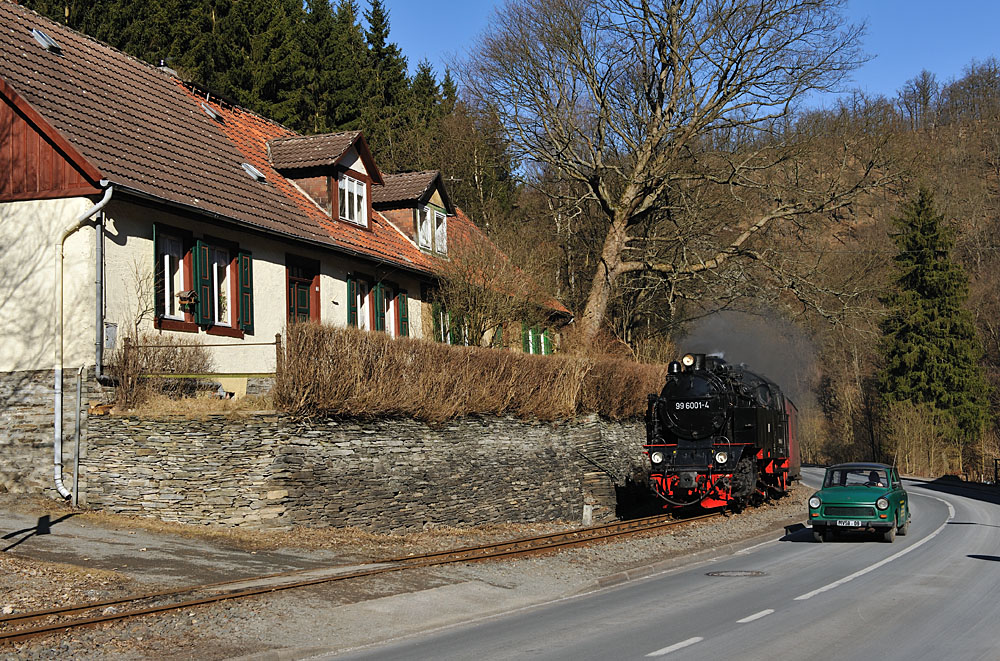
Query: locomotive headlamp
[[814, 502], [721, 457], [687, 360], [656, 457], [882, 504]]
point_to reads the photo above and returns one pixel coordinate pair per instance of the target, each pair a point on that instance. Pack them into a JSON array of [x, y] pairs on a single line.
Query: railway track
[[40, 623]]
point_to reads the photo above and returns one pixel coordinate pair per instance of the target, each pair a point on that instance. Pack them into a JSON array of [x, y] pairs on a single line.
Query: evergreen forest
[[868, 224]]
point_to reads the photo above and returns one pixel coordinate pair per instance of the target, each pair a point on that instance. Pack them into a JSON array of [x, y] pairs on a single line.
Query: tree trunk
[[604, 279]]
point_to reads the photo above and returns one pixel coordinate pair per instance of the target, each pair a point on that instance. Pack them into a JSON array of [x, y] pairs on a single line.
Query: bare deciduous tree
[[675, 114]]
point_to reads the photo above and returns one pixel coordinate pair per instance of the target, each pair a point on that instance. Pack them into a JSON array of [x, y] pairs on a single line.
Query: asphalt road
[[933, 594]]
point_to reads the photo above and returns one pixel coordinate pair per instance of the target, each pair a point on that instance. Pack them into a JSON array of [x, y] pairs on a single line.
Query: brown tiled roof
[[309, 151], [148, 133], [404, 187]]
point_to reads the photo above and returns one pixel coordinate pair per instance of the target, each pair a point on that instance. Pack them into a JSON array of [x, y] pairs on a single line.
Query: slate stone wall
[[27, 406], [380, 475]]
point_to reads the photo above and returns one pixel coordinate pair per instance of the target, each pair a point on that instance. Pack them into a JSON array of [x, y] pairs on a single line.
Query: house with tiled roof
[[132, 199]]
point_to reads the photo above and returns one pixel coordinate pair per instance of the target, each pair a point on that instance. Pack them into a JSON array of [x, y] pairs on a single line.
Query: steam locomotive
[[719, 435]]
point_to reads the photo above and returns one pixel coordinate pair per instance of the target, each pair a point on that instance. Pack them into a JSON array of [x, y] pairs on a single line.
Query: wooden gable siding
[[32, 166]]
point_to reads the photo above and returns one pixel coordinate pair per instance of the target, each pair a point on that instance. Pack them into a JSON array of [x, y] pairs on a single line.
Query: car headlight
[[882, 504], [656, 457], [721, 457], [814, 502]]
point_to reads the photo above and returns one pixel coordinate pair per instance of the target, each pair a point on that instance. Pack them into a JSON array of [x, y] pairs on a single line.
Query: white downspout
[[77, 224]]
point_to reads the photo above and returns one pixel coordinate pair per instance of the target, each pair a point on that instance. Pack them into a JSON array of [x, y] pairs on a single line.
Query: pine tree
[[348, 70], [386, 99], [931, 349]]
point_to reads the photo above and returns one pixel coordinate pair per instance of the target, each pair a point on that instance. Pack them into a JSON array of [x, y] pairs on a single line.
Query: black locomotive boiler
[[719, 435]]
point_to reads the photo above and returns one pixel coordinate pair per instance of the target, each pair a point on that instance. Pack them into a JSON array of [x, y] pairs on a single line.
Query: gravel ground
[[346, 615]]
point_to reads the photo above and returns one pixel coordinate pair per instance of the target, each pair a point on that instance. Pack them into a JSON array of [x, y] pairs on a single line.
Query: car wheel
[[819, 535], [903, 529], [889, 534]]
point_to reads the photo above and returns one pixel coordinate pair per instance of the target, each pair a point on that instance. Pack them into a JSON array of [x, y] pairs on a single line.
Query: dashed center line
[[677, 646], [756, 616]]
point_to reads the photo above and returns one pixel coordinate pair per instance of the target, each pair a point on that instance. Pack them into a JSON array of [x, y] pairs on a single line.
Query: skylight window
[[254, 172], [210, 111], [46, 42]]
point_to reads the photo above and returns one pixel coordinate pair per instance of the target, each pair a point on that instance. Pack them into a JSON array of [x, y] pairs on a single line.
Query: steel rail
[[66, 610], [506, 549]]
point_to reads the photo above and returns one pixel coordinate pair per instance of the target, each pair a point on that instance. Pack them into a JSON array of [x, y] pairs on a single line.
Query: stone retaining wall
[[27, 411], [381, 475]]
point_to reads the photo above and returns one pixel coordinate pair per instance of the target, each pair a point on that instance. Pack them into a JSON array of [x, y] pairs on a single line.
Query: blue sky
[[904, 36]]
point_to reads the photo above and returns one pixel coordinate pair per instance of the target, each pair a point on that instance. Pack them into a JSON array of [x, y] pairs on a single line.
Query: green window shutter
[[525, 338], [379, 307], [403, 313], [546, 342], [203, 283], [436, 314], [159, 277], [352, 302], [244, 271]]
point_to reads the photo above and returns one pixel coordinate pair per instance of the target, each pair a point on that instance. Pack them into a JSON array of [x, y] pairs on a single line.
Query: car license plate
[[849, 523]]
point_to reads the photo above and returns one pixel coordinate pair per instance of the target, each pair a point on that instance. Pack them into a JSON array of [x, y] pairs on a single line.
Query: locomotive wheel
[[744, 478]]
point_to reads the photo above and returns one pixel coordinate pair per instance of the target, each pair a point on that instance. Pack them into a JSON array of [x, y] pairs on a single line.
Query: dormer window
[[432, 230], [440, 233], [353, 200]]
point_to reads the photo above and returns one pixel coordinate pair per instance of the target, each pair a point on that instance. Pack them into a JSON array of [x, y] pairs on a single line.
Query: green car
[[861, 496]]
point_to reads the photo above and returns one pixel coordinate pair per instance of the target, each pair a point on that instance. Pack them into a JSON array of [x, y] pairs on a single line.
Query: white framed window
[[425, 231], [172, 261], [221, 282], [389, 310], [363, 302], [440, 233], [353, 200]]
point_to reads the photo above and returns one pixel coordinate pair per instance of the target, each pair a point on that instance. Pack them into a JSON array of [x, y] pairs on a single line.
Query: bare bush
[[343, 371], [145, 354]]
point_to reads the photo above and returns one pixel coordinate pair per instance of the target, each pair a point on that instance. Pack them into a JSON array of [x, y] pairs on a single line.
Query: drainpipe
[[99, 307], [82, 219]]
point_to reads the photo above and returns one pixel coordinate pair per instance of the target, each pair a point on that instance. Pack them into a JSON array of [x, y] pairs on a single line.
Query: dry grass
[[342, 371], [155, 354], [344, 540], [199, 406]]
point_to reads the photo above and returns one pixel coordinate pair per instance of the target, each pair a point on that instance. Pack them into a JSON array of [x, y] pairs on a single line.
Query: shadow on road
[[976, 556], [956, 487], [797, 532], [43, 527]]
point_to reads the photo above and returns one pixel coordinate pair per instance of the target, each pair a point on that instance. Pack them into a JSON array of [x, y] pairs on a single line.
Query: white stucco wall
[[28, 234], [352, 160], [129, 251]]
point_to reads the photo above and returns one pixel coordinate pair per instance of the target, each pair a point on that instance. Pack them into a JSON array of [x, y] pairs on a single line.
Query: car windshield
[[855, 477]]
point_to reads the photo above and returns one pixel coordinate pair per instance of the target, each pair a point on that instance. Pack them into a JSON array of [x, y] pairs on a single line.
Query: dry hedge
[[343, 371]]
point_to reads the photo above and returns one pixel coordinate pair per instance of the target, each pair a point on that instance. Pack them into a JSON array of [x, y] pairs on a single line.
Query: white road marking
[[862, 572], [756, 616], [755, 546], [677, 646]]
